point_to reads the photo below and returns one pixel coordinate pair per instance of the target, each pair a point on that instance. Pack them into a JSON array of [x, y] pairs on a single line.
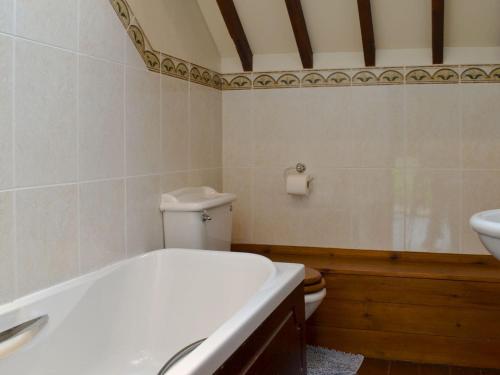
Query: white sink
[[487, 225]]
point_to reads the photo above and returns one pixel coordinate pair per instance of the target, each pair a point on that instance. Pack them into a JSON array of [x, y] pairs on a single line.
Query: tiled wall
[[396, 166], [89, 138]]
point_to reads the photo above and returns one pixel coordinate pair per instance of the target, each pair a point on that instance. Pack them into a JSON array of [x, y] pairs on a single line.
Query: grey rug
[[321, 361]]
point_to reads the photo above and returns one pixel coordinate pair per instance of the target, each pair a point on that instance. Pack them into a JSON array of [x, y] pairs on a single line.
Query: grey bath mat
[[321, 361]]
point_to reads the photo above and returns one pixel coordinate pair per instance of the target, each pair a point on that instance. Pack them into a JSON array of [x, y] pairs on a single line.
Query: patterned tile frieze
[[273, 80], [377, 76], [205, 76], [159, 62], [326, 78], [444, 74], [241, 81], [172, 66], [480, 73], [123, 11]]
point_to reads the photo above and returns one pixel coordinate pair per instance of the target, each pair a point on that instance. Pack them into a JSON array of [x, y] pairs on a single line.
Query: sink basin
[[487, 225]]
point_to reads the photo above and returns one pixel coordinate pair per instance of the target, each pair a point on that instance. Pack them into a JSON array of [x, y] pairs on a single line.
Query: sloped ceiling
[[333, 27]]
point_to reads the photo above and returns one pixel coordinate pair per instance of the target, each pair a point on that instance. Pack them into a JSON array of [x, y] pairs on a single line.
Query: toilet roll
[[298, 184]]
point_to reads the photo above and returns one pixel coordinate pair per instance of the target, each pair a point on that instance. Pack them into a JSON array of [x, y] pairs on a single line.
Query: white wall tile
[[174, 181], [205, 125], [378, 199], [101, 32], [144, 220], [132, 56], [68, 110], [46, 128], [239, 181], [216, 125], [279, 127], [6, 102], [6, 16], [378, 126], [143, 128], [102, 223], [101, 119], [481, 129], [238, 134], [206, 177], [324, 128], [175, 124], [433, 126], [48, 21], [47, 240], [481, 191], [7, 254], [433, 210]]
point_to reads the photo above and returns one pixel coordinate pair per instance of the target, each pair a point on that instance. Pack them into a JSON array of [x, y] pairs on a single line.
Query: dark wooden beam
[[366, 23], [300, 31], [237, 33], [437, 31]]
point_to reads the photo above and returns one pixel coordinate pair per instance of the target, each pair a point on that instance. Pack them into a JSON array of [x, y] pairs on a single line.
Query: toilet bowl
[[314, 290], [313, 300]]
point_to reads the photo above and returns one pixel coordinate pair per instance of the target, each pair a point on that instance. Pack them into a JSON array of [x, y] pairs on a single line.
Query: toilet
[[314, 290], [201, 218]]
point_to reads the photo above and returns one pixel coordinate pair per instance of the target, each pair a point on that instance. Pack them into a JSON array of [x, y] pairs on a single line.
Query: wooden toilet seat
[[313, 281], [312, 276]]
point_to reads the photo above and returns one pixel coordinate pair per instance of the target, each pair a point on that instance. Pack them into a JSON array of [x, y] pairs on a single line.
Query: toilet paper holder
[[299, 168]]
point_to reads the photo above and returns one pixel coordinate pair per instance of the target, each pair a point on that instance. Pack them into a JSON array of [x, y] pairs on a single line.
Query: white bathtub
[[131, 317]]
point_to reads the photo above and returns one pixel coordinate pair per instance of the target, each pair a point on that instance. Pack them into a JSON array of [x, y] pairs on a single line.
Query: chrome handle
[[179, 355], [15, 337], [205, 216]]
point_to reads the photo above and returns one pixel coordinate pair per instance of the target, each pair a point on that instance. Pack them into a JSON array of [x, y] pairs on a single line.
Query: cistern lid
[[194, 199]]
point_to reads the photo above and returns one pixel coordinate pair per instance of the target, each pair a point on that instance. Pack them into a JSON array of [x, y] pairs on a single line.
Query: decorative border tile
[[327, 78], [276, 80], [122, 9], [432, 74], [175, 67], [480, 73], [157, 61], [149, 55], [204, 76], [377, 76], [241, 81]]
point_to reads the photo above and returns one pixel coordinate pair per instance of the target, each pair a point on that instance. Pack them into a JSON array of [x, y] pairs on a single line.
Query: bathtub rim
[[97, 274], [225, 340]]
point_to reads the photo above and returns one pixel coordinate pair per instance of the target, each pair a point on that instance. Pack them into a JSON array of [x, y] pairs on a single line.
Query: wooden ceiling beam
[[235, 28], [437, 31], [367, 36], [300, 31]]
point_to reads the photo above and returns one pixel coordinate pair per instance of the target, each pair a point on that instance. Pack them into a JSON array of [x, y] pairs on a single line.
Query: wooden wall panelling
[[418, 307]]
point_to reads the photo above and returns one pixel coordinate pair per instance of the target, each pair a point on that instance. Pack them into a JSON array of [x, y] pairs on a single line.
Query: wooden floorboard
[[433, 370], [403, 368], [372, 366]]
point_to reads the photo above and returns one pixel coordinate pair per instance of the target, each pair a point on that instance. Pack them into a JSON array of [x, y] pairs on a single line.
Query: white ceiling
[[333, 25]]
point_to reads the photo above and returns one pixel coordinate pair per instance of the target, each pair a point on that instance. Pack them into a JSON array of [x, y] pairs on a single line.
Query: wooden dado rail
[[418, 307]]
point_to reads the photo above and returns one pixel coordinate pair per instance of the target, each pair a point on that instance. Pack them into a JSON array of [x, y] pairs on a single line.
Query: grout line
[[13, 153], [405, 161], [124, 160], [462, 174], [78, 126], [34, 187]]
